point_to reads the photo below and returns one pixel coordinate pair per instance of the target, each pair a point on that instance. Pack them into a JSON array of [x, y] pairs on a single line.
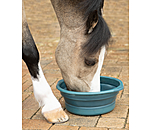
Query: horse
[[80, 53]]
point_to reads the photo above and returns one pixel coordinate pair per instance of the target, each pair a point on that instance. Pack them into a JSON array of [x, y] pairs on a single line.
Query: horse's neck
[[67, 13]]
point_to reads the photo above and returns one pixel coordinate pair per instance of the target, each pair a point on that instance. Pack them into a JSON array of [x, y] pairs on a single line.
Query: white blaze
[[95, 83]]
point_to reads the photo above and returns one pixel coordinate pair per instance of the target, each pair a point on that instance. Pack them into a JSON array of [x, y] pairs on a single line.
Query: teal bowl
[[92, 103]]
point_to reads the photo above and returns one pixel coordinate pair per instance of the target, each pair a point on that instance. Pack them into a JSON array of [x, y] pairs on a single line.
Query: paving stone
[[111, 122], [26, 85], [119, 111], [118, 129], [92, 128], [38, 115], [62, 102], [24, 71], [124, 100], [55, 90], [76, 120], [55, 127], [112, 71], [119, 94], [112, 63], [124, 79], [123, 63], [50, 79], [30, 103], [125, 70], [35, 124], [126, 89], [27, 114], [25, 95], [26, 78], [127, 126], [52, 65]]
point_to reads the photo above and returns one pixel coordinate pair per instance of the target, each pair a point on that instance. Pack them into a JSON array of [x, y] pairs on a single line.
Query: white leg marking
[[95, 83], [43, 93]]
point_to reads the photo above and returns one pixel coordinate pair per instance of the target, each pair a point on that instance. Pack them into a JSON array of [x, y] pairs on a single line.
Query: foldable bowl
[[92, 103]]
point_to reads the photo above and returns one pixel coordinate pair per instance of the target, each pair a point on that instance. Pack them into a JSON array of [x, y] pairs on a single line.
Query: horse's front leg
[[51, 108]]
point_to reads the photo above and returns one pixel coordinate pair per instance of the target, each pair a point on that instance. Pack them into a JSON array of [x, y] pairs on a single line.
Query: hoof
[[56, 116]]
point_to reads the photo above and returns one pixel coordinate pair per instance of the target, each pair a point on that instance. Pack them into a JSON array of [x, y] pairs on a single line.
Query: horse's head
[[80, 52]]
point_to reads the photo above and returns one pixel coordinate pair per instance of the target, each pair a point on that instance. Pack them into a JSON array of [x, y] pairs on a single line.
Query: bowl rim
[[117, 89]]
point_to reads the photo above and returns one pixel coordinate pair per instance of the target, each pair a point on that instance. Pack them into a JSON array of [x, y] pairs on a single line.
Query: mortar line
[[60, 98], [54, 82], [122, 93], [45, 65], [28, 88], [97, 121], [123, 89], [51, 126], [24, 82], [120, 71], [35, 113], [27, 96], [126, 119], [24, 75]]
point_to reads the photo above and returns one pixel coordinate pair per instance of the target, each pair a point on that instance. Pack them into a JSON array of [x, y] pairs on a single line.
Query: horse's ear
[[91, 21]]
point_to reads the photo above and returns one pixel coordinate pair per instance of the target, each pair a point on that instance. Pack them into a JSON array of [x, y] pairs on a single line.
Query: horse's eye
[[90, 62]]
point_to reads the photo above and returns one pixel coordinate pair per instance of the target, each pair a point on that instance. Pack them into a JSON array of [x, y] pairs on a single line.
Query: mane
[[101, 33]]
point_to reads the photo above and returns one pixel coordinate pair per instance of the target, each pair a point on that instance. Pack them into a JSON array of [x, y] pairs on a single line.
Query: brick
[[27, 92], [52, 65], [112, 71], [25, 95], [26, 77], [111, 122], [35, 124], [24, 71], [77, 120], [45, 63], [30, 103], [112, 63], [127, 126], [55, 90], [62, 102], [119, 94], [118, 129], [38, 115], [26, 85], [56, 93], [119, 111], [125, 70], [92, 128], [27, 114], [124, 100], [56, 127], [126, 89], [123, 63]]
